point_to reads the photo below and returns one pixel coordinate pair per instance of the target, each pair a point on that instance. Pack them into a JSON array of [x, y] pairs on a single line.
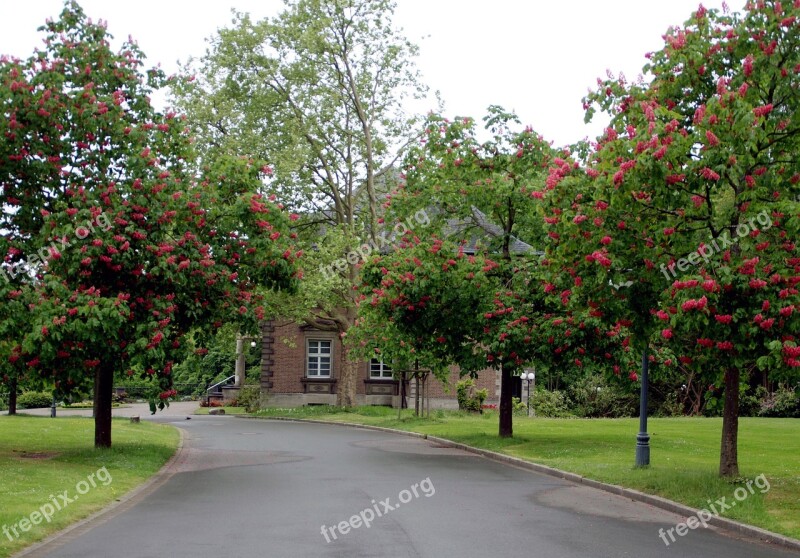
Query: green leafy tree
[[318, 91], [121, 246], [479, 190], [483, 195], [684, 219], [456, 307]]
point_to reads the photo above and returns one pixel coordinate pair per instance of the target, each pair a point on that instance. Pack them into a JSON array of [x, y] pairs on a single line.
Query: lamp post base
[[642, 449]]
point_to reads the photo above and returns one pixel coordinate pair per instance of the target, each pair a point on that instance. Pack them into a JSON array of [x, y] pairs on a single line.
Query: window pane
[[319, 359], [377, 369]]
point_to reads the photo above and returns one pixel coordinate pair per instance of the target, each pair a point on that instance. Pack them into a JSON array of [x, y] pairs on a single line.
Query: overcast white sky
[[534, 57]]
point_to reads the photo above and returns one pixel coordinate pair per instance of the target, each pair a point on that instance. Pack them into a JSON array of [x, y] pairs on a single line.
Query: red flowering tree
[[479, 193], [484, 195], [119, 246], [688, 206], [458, 308], [478, 189]]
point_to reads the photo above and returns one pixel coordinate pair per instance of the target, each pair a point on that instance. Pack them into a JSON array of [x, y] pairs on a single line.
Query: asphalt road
[[253, 488]]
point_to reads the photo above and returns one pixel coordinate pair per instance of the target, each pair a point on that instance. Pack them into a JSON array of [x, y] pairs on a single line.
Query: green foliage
[[518, 406], [250, 398], [594, 397], [478, 191], [470, 399], [207, 365], [785, 402], [34, 400], [669, 406], [553, 404], [750, 401], [681, 220], [318, 91], [131, 244]]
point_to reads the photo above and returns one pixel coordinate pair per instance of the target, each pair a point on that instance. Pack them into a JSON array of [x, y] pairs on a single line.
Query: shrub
[[784, 403], [552, 404], [470, 399], [518, 406], [593, 397], [250, 398], [750, 403], [670, 407], [34, 400]]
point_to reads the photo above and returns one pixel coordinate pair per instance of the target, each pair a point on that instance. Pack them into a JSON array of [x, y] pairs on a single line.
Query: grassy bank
[[684, 454], [228, 410], [41, 458]]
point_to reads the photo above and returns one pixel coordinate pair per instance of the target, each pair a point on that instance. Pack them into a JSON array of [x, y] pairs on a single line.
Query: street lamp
[[239, 370], [642, 438], [529, 375]]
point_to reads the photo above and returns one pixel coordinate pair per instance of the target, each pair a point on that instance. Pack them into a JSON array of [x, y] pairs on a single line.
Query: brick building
[[300, 366]]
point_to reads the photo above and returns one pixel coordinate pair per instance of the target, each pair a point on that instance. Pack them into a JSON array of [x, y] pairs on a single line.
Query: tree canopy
[[116, 240], [684, 217]]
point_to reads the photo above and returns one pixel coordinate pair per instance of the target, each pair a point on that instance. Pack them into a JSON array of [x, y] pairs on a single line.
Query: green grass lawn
[[228, 410], [40, 457], [684, 454]]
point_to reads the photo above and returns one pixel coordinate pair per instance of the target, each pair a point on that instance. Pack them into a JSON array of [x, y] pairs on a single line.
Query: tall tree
[[120, 246], [319, 91], [481, 192], [484, 195], [689, 202]]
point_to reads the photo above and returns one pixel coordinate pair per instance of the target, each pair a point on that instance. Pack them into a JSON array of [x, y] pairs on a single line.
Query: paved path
[[175, 409], [253, 488]]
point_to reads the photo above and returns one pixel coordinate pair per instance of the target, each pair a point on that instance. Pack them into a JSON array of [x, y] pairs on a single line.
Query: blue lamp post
[[643, 438]]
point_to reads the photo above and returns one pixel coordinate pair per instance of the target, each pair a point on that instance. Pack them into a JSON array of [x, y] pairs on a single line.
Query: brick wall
[[284, 361]]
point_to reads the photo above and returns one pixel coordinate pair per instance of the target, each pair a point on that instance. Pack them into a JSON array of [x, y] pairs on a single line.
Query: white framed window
[[318, 358], [379, 371]]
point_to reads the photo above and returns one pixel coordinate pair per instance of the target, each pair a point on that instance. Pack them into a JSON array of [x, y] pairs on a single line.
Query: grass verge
[[228, 410], [41, 458], [684, 454]]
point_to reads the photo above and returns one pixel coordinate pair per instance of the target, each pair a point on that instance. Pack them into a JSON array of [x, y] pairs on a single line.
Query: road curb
[[127, 501], [657, 501]]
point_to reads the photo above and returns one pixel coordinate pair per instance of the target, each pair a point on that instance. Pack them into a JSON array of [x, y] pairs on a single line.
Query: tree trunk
[[103, 387], [12, 396], [729, 453], [506, 411], [346, 386]]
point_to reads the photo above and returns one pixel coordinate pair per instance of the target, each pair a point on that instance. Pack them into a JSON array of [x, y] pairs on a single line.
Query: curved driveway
[[256, 488]]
